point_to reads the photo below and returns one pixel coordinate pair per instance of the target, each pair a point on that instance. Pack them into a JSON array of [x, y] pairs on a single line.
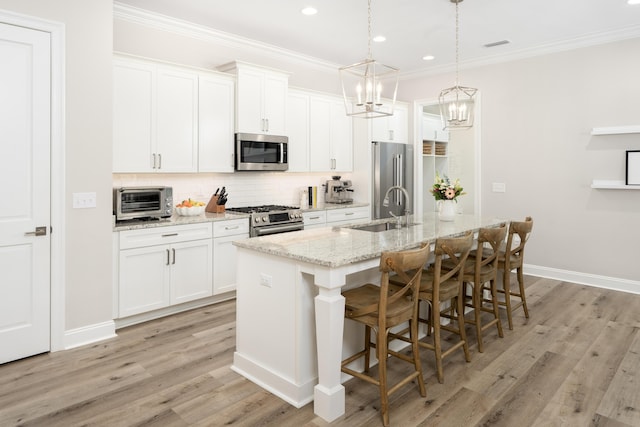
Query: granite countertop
[[338, 246], [178, 220]]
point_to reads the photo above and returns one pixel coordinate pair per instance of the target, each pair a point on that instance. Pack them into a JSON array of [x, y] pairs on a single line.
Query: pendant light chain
[[369, 56], [457, 49]]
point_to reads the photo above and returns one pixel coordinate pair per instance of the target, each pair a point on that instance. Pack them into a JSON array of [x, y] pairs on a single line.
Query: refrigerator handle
[[395, 178], [400, 178]]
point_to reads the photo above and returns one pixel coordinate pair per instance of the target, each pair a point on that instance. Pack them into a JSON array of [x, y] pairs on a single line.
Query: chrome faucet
[[398, 218]]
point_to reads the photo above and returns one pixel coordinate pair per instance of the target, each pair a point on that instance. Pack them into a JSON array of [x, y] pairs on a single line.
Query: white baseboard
[[89, 334], [605, 282]]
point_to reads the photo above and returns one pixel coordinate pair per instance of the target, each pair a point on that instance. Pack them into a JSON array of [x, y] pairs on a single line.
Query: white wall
[[537, 114], [88, 53]]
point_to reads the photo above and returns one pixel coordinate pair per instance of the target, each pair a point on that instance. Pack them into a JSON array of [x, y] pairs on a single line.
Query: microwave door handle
[[281, 151]]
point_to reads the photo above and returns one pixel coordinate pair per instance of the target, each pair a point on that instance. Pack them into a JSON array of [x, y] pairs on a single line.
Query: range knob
[[264, 219], [256, 219]]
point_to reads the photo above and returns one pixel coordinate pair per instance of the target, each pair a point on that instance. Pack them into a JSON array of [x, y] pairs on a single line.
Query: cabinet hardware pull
[[267, 129], [314, 217], [349, 213], [174, 255], [231, 228], [159, 161], [153, 161], [168, 259], [170, 235]]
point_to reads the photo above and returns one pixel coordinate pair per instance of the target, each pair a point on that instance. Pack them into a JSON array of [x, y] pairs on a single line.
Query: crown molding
[[169, 24], [166, 23]]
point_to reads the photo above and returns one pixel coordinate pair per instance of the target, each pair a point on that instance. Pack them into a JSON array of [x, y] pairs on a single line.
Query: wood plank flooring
[[575, 362]]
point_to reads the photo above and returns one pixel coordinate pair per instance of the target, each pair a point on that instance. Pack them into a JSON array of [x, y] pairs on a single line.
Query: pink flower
[[450, 193]]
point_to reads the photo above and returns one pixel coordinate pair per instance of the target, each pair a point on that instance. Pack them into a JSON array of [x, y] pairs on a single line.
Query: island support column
[[329, 393]]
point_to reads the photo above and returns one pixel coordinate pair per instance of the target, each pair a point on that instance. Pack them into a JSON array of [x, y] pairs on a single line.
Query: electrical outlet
[[266, 280], [84, 200], [499, 187]]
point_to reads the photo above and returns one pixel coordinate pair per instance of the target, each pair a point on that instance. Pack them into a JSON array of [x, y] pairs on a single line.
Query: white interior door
[[25, 135]]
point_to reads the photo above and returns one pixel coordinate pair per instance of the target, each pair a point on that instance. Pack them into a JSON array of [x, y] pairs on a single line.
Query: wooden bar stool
[[513, 258], [378, 309], [437, 286], [480, 273]]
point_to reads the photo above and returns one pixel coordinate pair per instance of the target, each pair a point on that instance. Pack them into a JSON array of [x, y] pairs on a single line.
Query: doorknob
[[40, 231]]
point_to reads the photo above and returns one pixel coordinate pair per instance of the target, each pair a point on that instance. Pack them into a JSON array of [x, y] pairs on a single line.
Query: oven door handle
[[263, 231]]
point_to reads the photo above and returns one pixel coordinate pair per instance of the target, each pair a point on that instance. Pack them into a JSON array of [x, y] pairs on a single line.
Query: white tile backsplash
[[244, 188]]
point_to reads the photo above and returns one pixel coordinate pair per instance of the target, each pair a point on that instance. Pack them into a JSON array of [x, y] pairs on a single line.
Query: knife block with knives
[[217, 202]]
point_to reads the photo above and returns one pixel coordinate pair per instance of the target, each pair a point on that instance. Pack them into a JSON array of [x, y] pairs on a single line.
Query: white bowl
[[192, 211]]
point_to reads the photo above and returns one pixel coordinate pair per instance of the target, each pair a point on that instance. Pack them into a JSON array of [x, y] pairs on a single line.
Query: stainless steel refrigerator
[[392, 166]]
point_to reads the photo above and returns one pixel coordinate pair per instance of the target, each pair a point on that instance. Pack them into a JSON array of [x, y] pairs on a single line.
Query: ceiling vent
[[498, 43]]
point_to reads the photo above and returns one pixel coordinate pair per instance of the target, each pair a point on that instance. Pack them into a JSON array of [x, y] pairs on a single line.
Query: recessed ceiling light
[[633, 1], [379, 39], [309, 11], [428, 57]]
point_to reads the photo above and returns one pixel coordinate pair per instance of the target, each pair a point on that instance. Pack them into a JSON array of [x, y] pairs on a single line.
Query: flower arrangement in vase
[[446, 192]]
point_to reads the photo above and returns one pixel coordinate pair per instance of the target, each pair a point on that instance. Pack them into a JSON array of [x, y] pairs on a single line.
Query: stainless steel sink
[[383, 226]]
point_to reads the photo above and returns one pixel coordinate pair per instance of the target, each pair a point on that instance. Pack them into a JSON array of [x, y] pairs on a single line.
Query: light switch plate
[[84, 200], [266, 280], [499, 187]]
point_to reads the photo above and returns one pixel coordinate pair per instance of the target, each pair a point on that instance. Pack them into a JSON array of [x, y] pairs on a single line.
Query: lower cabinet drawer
[[347, 214], [231, 227], [164, 235]]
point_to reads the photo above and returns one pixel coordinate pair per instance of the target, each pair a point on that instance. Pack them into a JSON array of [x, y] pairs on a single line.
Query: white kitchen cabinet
[[224, 253], [393, 128], [177, 122], [162, 266], [215, 123], [432, 129], [314, 219], [261, 98], [134, 116], [298, 131], [155, 126], [344, 216], [330, 135]]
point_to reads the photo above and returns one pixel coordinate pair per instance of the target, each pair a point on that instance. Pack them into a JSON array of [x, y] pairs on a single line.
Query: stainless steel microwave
[[142, 202], [258, 152]]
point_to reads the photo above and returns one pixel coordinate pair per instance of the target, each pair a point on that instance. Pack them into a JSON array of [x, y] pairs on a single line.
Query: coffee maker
[[338, 191]]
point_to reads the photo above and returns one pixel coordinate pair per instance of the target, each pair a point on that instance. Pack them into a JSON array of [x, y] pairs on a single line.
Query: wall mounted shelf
[[615, 130], [612, 185]]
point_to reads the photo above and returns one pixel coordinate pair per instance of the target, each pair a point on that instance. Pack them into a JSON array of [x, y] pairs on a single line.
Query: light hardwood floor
[[575, 362]]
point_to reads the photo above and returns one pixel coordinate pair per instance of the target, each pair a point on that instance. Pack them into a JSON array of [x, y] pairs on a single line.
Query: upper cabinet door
[[261, 100], [298, 131], [177, 123], [249, 116], [393, 128], [215, 123], [275, 103], [133, 116], [341, 138]]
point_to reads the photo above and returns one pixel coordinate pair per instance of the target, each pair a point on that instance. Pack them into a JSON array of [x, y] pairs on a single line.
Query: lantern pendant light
[[369, 88], [457, 103]]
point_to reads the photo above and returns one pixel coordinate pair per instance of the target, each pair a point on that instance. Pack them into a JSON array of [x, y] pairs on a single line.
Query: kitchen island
[[290, 311]]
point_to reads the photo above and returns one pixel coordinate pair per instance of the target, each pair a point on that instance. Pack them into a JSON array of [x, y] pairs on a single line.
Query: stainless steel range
[[272, 219]]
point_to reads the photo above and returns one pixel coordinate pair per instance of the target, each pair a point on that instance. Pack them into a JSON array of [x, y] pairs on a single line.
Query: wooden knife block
[[213, 206]]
